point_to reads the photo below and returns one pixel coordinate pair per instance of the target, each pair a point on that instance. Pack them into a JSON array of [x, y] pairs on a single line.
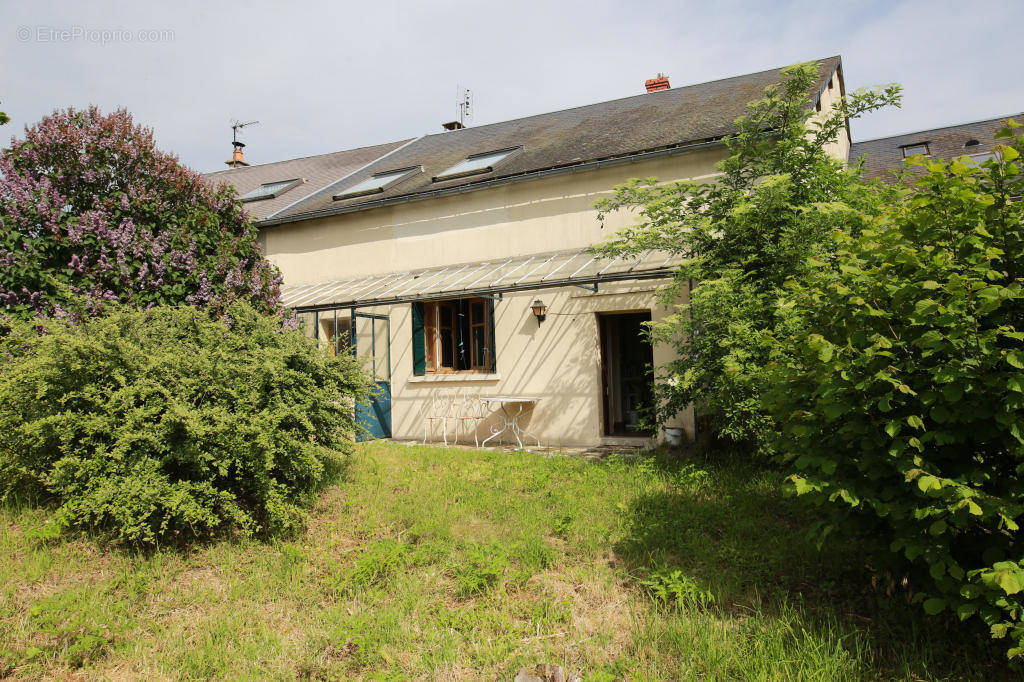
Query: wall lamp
[[539, 310]]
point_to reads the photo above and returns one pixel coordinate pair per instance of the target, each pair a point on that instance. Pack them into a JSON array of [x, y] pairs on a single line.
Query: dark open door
[[627, 358], [371, 342]]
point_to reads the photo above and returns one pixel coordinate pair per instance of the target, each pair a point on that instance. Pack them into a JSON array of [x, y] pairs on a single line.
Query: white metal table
[[510, 420]]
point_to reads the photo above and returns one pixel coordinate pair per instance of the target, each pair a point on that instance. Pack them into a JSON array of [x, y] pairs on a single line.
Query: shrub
[[774, 204], [168, 425], [91, 212], [900, 386]]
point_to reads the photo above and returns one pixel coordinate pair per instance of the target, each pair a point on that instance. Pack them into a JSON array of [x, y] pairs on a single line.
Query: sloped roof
[[562, 139], [318, 172], [886, 153]]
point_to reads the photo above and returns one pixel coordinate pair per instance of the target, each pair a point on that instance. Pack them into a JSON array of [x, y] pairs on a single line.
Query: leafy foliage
[[91, 212], [673, 586], [776, 202], [168, 426], [900, 385], [480, 570]]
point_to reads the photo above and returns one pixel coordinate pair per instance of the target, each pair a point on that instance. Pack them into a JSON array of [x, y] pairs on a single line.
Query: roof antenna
[[465, 105], [237, 158]]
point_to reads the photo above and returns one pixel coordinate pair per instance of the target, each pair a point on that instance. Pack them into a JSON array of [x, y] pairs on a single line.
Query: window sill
[[468, 376]]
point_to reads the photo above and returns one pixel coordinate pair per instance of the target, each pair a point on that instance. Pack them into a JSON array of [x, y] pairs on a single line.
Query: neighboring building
[[886, 154], [435, 258]]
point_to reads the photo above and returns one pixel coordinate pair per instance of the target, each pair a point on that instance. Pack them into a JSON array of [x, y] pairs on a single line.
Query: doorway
[[371, 343], [627, 361]]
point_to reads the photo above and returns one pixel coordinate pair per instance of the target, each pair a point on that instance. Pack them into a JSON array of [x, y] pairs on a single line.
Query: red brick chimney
[[237, 158], [656, 84]]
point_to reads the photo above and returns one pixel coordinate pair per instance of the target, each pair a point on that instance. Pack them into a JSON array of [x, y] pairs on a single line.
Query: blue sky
[[323, 76]]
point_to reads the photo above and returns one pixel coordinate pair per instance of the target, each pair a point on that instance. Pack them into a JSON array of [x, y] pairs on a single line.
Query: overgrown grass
[[442, 564]]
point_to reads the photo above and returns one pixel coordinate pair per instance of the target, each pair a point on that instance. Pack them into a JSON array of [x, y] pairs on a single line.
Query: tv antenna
[[235, 127], [465, 105]]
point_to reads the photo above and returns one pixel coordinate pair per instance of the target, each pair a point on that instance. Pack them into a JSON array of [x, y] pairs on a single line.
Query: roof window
[[983, 157], [475, 163], [269, 190], [377, 182], [917, 148]]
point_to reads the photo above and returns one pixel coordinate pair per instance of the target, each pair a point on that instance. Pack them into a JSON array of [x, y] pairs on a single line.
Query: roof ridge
[[945, 127], [311, 156], [642, 94]]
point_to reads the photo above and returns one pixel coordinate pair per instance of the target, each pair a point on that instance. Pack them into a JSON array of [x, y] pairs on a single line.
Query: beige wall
[[840, 149], [559, 361], [532, 216]]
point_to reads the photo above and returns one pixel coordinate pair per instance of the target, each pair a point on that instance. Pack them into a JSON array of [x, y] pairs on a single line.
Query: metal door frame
[[373, 356]]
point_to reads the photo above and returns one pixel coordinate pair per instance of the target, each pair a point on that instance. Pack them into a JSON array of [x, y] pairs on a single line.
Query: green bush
[[169, 426], [740, 236], [901, 386]]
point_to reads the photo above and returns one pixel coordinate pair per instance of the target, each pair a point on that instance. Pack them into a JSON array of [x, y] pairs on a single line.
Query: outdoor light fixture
[[539, 310]]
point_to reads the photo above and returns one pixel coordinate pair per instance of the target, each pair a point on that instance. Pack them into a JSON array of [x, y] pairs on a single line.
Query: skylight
[[983, 157], [377, 182], [911, 149], [475, 163], [269, 190]]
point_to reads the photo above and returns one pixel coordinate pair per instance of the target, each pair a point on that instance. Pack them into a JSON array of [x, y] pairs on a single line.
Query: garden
[[446, 563], [182, 494]]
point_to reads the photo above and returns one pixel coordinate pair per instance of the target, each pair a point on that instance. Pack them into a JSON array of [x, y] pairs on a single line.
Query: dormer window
[[269, 190], [476, 163], [378, 182], [916, 148]]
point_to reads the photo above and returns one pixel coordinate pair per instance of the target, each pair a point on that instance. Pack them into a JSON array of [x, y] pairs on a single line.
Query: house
[[886, 154], [459, 260], [271, 187]]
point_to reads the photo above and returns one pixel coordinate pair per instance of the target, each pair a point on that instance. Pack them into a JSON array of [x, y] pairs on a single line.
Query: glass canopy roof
[[520, 273]]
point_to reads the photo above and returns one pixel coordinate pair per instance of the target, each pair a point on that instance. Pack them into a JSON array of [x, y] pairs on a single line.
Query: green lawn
[[438, 564]]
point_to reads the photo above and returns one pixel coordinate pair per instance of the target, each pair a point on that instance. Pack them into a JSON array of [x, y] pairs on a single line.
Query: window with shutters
[[457, 336]]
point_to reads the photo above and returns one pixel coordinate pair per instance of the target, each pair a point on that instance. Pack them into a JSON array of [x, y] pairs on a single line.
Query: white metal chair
[[438, 408], [469, 412]]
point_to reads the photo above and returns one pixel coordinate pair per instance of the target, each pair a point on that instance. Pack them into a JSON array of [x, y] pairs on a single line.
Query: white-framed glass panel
[[476, 163], [912, 149], [269, 190], [376, 182], [982, 157]]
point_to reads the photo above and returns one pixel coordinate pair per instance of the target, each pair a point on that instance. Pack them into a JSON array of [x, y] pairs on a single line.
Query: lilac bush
[[91, 212]]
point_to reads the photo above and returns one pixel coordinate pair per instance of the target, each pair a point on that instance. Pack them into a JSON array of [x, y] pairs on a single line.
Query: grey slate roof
[[318, 171], [607, 130], [886, 154]]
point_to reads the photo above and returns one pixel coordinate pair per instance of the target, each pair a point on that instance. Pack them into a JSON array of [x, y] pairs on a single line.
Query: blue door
[[371, 342]]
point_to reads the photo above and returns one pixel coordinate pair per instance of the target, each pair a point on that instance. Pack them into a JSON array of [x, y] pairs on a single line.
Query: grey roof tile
[[885, 154], [606, 130], [318, 172]]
